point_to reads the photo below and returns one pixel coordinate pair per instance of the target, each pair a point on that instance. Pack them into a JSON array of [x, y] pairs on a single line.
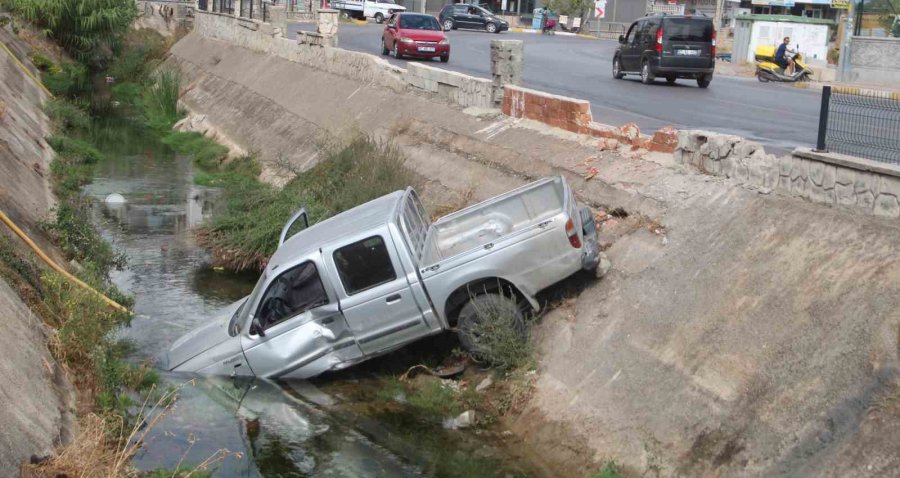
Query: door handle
[[328, 320], [393, 298]]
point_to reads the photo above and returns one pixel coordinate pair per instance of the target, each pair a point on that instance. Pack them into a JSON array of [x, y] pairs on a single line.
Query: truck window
[[364, 264], [293, 292]]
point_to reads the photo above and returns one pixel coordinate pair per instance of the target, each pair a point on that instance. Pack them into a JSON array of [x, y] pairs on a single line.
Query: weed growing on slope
[[245, 235]]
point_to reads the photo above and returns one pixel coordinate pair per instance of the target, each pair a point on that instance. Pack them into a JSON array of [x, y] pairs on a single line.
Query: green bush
[[70, 80], [435, 399], [161, 99], [43, 63], [66, 115], [254, 213], [88, 29]]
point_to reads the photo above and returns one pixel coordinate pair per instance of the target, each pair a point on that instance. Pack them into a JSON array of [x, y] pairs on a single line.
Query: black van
[[670, 46]]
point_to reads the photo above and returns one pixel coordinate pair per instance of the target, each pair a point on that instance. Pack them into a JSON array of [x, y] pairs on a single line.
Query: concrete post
[[507, 61], [278, 17], [327, 25]]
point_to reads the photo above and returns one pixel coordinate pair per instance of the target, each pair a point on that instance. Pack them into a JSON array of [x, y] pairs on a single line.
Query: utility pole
[[844, 58], [717, 21]]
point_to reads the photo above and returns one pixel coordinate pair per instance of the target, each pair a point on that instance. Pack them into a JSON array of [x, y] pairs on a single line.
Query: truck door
[[374, 292], [302, 331]]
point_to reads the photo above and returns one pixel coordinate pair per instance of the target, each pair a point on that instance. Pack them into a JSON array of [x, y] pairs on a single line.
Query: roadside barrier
[[860, 122], [44, 257]]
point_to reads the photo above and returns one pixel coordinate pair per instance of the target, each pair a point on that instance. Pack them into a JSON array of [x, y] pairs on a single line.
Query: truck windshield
[[688, 29], [240, 315], [419, 22]]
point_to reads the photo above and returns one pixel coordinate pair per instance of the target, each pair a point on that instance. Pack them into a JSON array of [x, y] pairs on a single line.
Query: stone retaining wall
[[258, 36], [461, 89], [838, 180]]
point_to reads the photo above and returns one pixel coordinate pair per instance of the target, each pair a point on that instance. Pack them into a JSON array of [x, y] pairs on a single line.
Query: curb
[[564, 34]]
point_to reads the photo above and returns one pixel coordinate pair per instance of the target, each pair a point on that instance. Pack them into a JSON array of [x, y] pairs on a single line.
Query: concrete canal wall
[[742, 331], [37, 399]]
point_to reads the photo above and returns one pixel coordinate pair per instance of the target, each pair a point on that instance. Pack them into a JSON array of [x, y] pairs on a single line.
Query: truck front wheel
[[489, 325]]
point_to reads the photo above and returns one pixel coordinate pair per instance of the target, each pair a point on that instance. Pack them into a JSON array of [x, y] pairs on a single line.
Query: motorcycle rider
[[783, 59]]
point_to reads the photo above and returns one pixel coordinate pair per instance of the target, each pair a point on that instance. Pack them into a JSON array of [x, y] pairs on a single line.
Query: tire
[[647, 76], [396, 51], [704, 80], [445, 58], [482, 308], [670, 80], [491, 28], [384, 48], [762, 77], [449, 25], [379, 18], [617, 69]]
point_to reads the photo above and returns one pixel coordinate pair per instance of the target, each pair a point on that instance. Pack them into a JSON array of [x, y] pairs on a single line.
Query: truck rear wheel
[[487, 320], [379, 18]]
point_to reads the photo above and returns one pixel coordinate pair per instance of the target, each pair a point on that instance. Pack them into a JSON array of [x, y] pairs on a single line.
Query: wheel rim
[[645, 72], [379, 18], [448, 25], [396, 51], [616, 67], [491, 28]]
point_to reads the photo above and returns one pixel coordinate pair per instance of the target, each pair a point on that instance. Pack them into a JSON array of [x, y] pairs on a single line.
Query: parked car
[[463, 15], [363, 9], [381, 275], [415, 34], [672, 47]]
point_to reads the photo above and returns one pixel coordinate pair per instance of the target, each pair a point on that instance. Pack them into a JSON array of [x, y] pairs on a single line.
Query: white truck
[[381, 275], [363, 9]]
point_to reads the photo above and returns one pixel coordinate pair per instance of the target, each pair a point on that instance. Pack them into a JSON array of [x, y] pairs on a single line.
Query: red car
[[415, 34]]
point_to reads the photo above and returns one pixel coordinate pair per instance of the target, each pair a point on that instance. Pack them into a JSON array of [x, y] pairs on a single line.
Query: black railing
[[203, 5], [265, 11], [861, 123], [223, 6], [247, 9]]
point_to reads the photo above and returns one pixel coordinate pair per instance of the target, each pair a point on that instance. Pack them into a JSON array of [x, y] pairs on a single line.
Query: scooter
[[767, 70]]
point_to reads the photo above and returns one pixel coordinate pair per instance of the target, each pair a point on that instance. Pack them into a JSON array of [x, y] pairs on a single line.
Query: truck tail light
[[572, 234], [659, 36], [714, 45]]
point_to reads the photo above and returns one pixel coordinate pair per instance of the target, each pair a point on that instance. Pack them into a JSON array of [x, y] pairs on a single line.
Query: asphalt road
[[777, 115]]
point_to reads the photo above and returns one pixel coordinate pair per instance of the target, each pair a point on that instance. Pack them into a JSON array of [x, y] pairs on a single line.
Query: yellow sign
[[842, 4]]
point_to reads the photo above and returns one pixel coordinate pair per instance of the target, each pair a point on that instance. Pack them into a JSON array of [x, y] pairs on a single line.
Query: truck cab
[[374, 278]]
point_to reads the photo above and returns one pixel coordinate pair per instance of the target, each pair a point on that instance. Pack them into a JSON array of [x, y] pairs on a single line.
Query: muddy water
[[284, 429]]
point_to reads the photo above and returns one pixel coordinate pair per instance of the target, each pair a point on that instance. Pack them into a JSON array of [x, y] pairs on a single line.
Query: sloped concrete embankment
[[738, 334], [38, 402]]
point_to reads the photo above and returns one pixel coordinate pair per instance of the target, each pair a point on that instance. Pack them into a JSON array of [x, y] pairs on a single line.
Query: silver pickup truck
[[381, 275]]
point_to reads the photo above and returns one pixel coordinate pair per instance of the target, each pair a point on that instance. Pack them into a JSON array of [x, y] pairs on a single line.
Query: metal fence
[[861, 123], [223, 6]]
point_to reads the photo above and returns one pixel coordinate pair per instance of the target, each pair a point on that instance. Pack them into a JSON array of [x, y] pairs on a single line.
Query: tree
[[571, 8], [87, 29]]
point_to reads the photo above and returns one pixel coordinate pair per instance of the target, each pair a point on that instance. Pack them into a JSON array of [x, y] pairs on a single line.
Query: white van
[[363, 9]]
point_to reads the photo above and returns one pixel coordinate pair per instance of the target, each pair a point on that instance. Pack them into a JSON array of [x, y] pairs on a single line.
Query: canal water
[[293, 429]]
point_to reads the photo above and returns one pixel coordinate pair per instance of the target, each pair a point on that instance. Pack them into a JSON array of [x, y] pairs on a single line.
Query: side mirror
[[256, 328], [621, 38]]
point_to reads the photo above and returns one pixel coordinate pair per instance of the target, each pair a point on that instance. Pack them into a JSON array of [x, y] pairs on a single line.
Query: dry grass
[[462, 200]]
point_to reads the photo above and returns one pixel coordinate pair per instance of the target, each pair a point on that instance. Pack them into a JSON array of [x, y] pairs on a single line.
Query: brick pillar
[[507, 61]]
